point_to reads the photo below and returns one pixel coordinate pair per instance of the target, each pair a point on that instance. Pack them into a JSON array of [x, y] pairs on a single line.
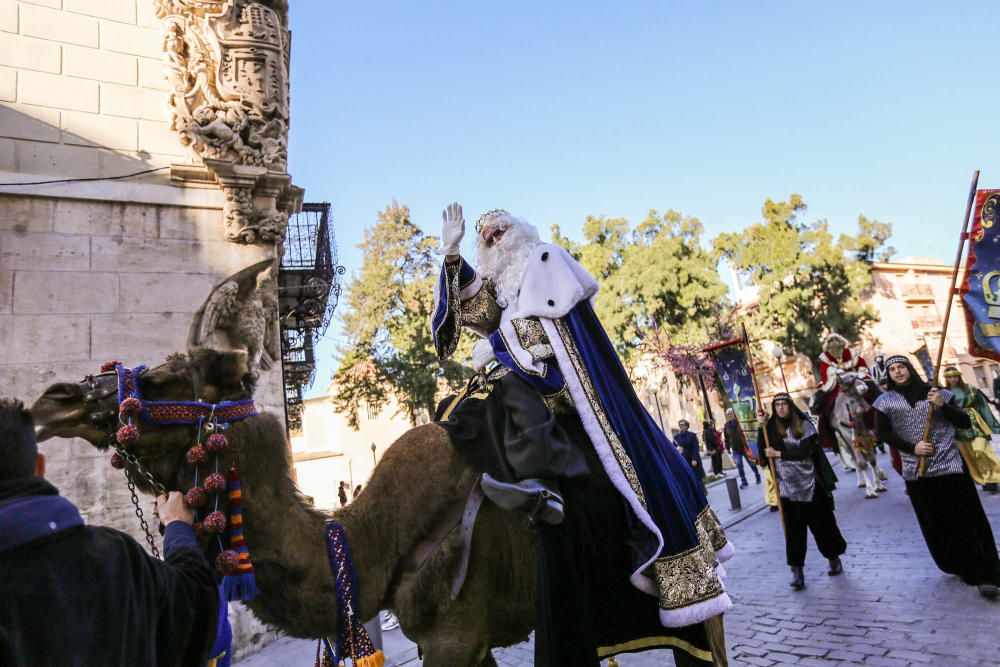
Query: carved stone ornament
[[226, 65], [227, 73]]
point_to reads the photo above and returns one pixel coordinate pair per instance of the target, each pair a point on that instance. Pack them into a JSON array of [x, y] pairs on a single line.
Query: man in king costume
[[837, 357], [629, 548]]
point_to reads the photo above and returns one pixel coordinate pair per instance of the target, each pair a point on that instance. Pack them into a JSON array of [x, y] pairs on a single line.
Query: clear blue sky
[[558, 109]]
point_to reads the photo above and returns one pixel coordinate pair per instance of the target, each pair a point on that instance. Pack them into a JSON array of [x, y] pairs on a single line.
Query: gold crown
[[488, 217]]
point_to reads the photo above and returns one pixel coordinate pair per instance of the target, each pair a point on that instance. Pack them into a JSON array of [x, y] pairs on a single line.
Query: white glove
[[452, 229], [482, 354]]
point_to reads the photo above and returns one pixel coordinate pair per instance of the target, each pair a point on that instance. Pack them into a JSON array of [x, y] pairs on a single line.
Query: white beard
[[505, 263]]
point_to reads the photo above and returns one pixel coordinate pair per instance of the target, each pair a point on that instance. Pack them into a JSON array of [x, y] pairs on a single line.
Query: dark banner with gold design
[[981, 287], [732, 366]]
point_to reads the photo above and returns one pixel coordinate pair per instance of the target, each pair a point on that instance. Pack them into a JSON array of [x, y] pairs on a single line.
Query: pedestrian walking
[[713, 447], [75, 594], [687, 442], [342, 494], [974, 442], [943, 495], [805, 483], [736, 443]]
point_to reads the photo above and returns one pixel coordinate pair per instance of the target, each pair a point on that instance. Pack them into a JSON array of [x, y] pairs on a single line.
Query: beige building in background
[[94, 270], [327, 450], [910, 296]]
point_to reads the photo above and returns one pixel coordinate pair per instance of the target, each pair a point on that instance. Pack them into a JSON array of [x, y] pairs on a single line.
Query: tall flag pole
[[763, 428], [947, 312]]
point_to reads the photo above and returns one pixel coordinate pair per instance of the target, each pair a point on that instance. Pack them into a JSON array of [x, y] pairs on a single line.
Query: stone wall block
[[116, 10], [136, 254], [8, 154], [151, 74], [28, 378], [59, 26], [121, 100], [8, 84], [195, 224], [147, 16], [49, 252], [154, 106], [100, 65], [62, 92], [56, 159], [135, 339], [6, 291], [20, 121], [28, 53], [65, 292], [26, 214], [157, 137], [90, 129], [8, 16], [164, 292], [121, 38], [44, 337]]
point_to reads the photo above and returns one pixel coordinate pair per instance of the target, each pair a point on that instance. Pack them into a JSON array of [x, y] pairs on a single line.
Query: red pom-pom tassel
[[109, 366], [216, 443], [130, 407], [215, 522], [215, 483], [196, 454], [227, 562], [196, 496], [117, 461], [127, 435]]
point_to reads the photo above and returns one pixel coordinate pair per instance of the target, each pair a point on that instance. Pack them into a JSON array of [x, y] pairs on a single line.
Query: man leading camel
[[561, 407], [75, 594]]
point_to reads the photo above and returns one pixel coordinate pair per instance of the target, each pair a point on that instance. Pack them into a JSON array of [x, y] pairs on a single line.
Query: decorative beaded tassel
[[239, 584]]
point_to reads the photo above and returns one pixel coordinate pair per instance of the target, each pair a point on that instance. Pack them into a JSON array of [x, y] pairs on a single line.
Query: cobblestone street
[[891, 607]]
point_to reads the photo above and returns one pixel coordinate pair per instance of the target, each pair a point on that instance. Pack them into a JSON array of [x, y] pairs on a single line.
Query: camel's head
[[88, 408]]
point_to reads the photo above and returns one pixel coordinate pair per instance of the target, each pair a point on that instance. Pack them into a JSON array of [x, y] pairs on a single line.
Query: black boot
[[537, 498], [798, 581], [836, 567]]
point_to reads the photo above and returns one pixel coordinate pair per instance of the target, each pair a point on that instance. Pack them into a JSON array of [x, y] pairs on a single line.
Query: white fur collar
[[553, 283]]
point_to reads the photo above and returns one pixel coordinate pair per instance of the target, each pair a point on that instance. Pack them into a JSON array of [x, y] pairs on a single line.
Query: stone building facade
[[181, 109]]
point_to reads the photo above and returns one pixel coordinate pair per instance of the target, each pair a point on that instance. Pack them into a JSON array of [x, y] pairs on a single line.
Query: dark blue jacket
[[688, 442]]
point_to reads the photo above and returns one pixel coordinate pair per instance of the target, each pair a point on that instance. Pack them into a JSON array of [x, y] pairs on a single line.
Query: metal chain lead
[[130, 458]]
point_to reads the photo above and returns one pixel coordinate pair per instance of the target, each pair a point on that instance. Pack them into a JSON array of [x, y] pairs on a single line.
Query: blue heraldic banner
[[731, 365], [981, 286]]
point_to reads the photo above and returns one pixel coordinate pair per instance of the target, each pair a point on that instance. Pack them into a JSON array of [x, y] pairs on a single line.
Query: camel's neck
[[416, 481]]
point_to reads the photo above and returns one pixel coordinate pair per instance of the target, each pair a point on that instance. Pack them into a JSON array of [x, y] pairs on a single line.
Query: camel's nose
[[63, 391]]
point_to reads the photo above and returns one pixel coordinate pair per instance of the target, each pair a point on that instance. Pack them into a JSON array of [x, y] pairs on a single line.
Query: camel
[[848, 419], [418, 479]]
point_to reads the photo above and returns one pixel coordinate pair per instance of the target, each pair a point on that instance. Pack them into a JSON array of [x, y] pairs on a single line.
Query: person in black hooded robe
[[944, 498], [805, 484]]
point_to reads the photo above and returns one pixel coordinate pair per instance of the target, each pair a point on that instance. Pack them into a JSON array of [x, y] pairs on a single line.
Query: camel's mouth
[[493, 233], [68, 410]]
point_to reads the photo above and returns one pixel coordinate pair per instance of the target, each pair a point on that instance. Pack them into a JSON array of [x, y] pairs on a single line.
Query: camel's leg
[[880, 475], [866, 475]]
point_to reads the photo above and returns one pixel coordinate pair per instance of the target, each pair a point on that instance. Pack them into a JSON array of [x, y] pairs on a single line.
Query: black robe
[[91, 596]]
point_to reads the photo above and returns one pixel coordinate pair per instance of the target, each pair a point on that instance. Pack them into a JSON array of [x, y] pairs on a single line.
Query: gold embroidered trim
[[688, 577], [651, 642], [561, 402], [709, 523], [624, 461], [529, 332], [450, 330], [526, 370], [481, 312]]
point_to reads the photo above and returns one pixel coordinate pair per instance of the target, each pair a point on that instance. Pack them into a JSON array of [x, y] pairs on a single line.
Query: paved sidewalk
[[892, 607]]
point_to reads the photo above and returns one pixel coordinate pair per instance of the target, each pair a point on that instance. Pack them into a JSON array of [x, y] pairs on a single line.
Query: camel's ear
[[216, 373]]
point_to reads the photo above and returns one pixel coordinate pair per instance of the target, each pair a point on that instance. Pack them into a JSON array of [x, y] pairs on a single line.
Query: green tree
[[389, 351], [809, 283], [659, 286]]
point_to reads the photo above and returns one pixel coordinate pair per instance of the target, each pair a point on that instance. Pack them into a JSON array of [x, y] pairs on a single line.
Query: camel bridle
[[120, 407]]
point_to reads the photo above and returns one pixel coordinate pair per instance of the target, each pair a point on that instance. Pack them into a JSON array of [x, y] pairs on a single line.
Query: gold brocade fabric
[[481, 312], [561, 402], [981, 459], [532, 338]]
